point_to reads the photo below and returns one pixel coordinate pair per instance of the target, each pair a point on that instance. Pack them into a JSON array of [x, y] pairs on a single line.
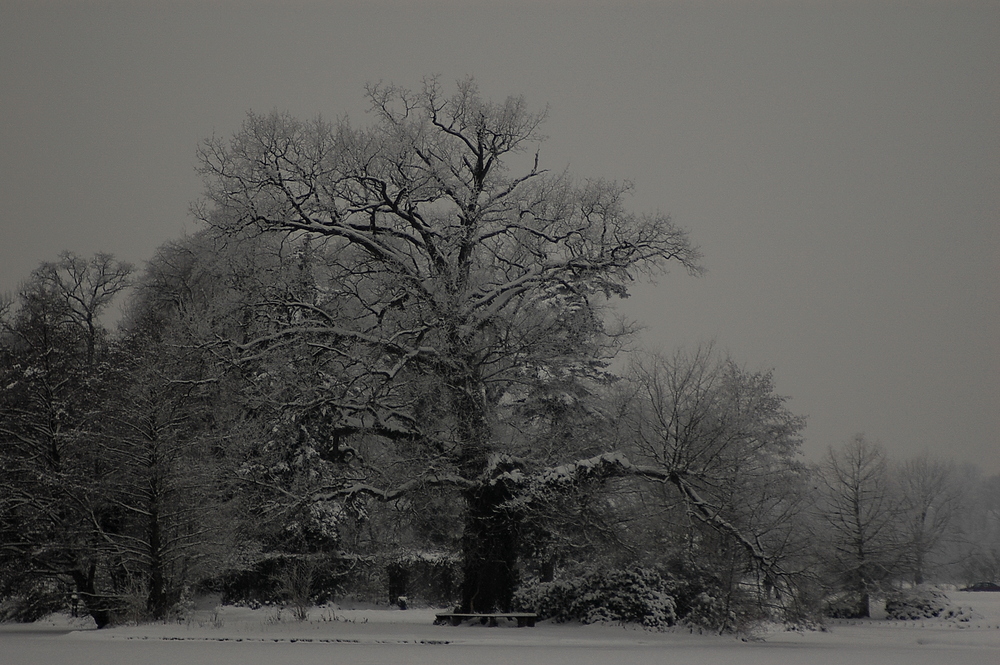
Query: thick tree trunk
[[863, 610], [489, 548], [490, 542], [864, 605], [86, 590]]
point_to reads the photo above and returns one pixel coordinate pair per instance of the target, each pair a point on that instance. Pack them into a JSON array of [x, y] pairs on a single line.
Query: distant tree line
[[389, 353]]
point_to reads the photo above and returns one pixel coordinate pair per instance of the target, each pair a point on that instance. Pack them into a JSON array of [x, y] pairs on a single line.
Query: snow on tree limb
[[617, 465], [398, 492]]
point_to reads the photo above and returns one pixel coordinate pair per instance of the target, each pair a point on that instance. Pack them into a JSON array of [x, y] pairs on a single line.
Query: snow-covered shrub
[[25, 598], [917, 603], [709, 610], [639, 596], [703, 600], [842, 606], [803, 609], [184, 606], [956, 613], [924, 603], [31, 606]]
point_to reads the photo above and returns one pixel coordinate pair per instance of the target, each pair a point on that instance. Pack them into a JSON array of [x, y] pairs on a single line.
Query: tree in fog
[[977, 551], [85, 287], [860, 538], [456, 274], [723, 449], [931, 499]]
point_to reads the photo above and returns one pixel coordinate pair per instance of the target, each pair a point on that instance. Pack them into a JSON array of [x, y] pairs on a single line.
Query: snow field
[[334, 636]]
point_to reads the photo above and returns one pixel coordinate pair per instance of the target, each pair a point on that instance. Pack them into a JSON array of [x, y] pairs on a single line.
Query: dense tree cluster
[[390, 349]]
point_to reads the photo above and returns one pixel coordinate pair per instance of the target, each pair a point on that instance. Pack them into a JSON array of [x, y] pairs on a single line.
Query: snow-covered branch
[[392, 494]]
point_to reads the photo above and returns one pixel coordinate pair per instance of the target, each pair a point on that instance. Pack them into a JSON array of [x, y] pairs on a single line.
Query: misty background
[[838, 163]]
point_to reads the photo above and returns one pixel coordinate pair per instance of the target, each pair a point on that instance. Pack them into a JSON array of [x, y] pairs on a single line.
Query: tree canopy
[[449, 270]]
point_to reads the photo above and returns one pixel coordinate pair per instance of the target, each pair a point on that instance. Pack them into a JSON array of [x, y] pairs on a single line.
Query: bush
[[30, 607], [283, 578], [843, 606], [641, 596], [924, 603], [918, 603], [703, 600], [25, 600]]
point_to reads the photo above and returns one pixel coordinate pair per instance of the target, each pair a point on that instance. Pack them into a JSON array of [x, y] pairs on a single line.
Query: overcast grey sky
[[838, 162]]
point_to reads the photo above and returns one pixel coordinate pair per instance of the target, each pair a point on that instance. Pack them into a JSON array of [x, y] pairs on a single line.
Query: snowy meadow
[[227, 635]]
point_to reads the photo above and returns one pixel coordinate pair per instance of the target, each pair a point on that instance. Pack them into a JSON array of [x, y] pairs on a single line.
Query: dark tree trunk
[[86, 590], [156, 600], [863, 610], [489, 547], [490, 542], [548, 572], [864, 605], [399, 580]]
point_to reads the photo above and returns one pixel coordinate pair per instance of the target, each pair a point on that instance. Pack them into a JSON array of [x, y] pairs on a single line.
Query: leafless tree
[[51, 390], [87, 287], [161, 517], [725, 444], [860, 511], [930, 498], [456, 271], [977, 550]]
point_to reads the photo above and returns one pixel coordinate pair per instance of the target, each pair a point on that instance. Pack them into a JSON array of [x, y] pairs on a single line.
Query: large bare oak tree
[[456, 272]]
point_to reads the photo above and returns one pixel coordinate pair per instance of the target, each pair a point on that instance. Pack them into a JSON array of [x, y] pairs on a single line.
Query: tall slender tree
[[162, 477], [931, 499], [52, 386], [861, 541]]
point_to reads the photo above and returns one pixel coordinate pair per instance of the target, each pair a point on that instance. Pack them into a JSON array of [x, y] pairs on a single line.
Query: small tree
[[724, 448], [85, 287], [861, 539], [930, 499]]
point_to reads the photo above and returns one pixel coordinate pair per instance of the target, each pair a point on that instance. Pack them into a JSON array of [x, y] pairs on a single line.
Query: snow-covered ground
[[231, 636]]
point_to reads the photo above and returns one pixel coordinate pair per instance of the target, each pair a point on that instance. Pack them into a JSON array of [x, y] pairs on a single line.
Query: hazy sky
[[838, 162]]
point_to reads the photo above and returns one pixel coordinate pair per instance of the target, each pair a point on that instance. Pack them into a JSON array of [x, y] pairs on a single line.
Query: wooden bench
[[454, 618]]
